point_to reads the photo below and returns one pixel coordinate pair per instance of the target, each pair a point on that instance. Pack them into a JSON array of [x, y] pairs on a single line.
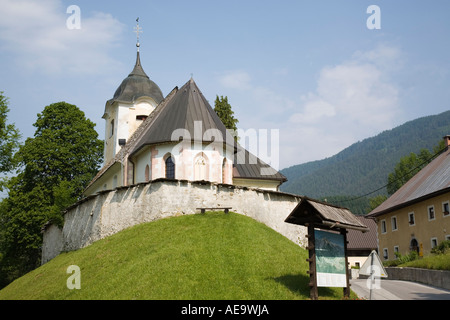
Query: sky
[[316, 76]]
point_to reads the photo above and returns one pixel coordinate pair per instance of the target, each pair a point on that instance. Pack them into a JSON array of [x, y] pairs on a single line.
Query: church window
[[224, 170], [170, 168], [147, 173], [200, 168], [112, 128]]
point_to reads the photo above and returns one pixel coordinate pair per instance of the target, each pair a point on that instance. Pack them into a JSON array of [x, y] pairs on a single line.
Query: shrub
[[441, 248], [402, 258]]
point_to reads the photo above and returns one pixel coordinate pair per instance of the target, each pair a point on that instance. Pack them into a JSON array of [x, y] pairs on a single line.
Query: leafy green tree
[[55, 167], [226, 114], [9, 140], [376, 201]]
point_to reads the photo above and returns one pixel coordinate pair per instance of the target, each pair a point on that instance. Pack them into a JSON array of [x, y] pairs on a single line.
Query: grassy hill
[[203, 256], [365, 165]]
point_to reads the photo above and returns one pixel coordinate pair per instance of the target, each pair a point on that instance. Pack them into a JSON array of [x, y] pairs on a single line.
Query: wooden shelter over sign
[[327, 250]]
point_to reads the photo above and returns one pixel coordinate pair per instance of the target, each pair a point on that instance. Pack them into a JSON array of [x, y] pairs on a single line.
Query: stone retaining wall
[[109, 212], [436, 278]]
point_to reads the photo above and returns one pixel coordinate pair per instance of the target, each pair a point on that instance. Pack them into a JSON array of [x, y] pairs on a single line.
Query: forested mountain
[[364, 166]]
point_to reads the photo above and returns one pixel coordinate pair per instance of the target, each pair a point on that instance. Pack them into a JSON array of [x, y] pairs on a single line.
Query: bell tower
[[134, 100]]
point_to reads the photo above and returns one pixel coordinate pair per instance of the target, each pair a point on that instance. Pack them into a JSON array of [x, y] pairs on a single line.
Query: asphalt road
[[397, 290]]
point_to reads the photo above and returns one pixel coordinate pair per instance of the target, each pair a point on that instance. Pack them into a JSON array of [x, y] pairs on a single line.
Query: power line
[[420, 166]]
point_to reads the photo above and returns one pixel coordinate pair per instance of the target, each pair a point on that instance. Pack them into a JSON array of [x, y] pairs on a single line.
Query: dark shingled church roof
[[186, 109], [137, 85], [247, 165]]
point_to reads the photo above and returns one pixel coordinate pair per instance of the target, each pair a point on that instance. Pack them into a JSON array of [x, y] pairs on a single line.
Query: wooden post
[[313, 293], [347, 288]]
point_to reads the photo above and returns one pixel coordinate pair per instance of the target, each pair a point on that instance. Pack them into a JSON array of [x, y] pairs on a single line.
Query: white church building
[[149, 136]]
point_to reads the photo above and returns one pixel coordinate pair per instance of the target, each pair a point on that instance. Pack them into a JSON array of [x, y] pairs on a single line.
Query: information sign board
[[330, 259]]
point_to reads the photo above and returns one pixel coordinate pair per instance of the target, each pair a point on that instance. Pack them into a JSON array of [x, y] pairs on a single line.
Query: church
[[167, 156], [149, 137]]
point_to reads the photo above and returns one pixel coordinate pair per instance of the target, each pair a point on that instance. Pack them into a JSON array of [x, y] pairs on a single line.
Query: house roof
[[324, 215], [137, 85], [432, 180], [367, 240]]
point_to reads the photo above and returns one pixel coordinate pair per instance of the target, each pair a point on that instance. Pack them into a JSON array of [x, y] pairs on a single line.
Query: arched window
[[224, 170], [170, 168], [111, 133], [200, 167], [147, 173]]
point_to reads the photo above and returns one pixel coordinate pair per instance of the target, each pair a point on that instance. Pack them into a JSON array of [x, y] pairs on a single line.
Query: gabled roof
[[429, 182], [187, 113], [137, 85], [325, 216]]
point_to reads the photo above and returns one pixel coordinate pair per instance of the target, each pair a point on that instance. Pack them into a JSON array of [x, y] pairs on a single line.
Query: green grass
[[203, 256], [433, 261]]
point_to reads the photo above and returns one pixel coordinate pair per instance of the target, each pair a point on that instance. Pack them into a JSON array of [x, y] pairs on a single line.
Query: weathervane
[[138, 30]]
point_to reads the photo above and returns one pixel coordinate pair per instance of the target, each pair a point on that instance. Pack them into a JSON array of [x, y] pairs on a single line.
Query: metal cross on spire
[[137, 30]]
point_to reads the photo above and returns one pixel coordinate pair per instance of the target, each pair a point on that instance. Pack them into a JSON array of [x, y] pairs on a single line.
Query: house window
[[431, 213], [385, 254], [383, 226], [394, 223], [434, 242], [170, 168], [411, 219], [445, 209]]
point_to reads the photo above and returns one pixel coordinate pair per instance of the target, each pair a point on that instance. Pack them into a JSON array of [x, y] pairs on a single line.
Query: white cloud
[[265, 100], [236, 80], [36, 32], [353, 100]]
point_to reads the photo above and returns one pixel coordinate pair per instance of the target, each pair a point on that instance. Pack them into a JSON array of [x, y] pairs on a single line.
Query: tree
[[55, 167], [226, 114], [376, 201], [9, 140]]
